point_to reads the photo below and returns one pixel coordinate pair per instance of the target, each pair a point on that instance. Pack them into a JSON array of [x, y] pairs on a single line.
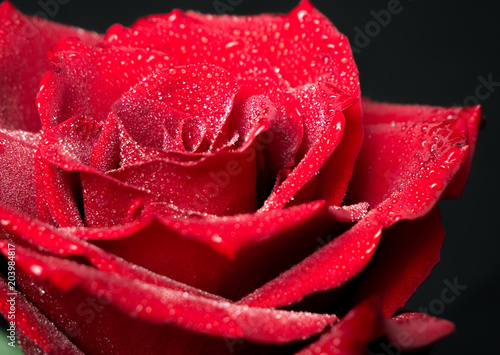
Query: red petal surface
[[144, 301], [335, 175], [70, 146], [321, 111], [412, 330], [404, 259], [190, 42], [351, 335], [189, 250], [330, 266], [395, 153], [410, 188], [377, 112], [218, 253], [17, 184], [62, 242], [37, 333], [89, 80], [287, 42], [203, 92], [24, 42], [229, 235], [303, 44]]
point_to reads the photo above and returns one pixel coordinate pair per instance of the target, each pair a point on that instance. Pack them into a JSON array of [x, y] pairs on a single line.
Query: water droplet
[[438, 185]]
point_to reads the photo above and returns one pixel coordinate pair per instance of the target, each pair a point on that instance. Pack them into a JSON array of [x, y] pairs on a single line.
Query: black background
[[430, 53]]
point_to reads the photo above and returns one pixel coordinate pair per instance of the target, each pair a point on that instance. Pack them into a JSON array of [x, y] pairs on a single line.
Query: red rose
[[210, 184]]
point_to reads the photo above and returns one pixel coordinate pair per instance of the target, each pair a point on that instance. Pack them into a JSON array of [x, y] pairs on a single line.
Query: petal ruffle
[[408, 191], [89, 80], [321, 111]]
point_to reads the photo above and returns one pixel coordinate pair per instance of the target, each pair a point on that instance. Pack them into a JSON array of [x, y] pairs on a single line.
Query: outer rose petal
[[322, 55], [405, 258], [189, 249], [351, 335], [62, 274], [62, 242], [24, 42], [37, 333], [329, 267], [394, 153], [414, 330], [162, 306], [17, 186], [377, 112]]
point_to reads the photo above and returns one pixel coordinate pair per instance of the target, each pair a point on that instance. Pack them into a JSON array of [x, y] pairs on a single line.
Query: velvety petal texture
[[200, 184], [36, 333], [24, 42]]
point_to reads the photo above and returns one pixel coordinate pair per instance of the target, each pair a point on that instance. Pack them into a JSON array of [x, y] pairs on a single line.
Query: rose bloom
[[200, 184]]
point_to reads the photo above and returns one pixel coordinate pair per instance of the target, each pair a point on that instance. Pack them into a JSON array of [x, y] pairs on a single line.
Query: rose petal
[[217, 253], [70, 145], [321, 110], [89, 80], [352, 213], [24, 42], [351, 335], [397, 152], [38, 334], [377, 112], [216, 186], [230, 234], [329, 267], [62, 242], [410, 196], [202, 92], [143, 301], [303, 44], [334, 177], [187, 40], [292, 235], [404, 259], [412, 330], [250, 117], [17, 187], [326, 55]]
